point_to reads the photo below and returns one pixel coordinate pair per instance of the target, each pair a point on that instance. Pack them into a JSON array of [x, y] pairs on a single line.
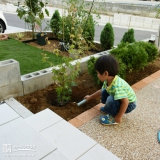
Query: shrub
[[133, 56], [55, 22], [151, 50], [91, 70], [137, 57], [122, 68], [107, 37], [66, 29], [128, 36], [89, 29]]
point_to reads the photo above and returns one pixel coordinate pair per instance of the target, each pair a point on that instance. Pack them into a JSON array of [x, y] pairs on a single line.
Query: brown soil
[[42, 99]]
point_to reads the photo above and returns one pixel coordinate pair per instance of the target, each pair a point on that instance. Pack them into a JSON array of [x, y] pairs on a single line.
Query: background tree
[[128, 36], [32, 13], [55, 23], [89, 29], [74, 31], [107, 37]]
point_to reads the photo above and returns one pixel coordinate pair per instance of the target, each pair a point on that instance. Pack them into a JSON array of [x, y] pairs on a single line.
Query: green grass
[[29, 57]]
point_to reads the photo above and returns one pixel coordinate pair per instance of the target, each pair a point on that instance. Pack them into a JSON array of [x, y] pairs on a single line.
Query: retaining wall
[[10, 79]]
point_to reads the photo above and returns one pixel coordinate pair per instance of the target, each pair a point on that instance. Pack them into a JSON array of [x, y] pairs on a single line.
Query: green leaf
[[47, 12], [41, 4]]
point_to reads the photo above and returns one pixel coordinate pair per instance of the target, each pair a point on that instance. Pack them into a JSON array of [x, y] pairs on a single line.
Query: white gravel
[[136, 137]]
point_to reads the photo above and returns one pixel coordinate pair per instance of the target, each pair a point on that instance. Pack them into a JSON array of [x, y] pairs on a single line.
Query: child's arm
[[122, 110], [93, 96]]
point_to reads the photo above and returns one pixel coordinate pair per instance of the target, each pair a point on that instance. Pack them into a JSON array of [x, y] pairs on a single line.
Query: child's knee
[[110, 100]]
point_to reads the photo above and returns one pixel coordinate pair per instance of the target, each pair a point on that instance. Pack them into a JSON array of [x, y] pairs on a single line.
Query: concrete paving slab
[[7, 114], [20, 140], [18, 107], [43, 119]]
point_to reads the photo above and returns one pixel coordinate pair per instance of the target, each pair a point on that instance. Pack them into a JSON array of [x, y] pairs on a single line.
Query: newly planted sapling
[[64, 76]]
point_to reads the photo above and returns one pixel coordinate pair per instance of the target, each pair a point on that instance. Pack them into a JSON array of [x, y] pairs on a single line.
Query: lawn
[[29, 57]]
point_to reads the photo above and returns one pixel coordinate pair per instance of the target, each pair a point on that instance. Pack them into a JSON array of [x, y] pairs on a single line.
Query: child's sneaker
[[105, 120]]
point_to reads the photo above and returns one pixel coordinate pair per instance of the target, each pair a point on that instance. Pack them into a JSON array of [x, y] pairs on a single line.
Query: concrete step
[[69, 140], [18, 107], [7, 114], [43, 119]]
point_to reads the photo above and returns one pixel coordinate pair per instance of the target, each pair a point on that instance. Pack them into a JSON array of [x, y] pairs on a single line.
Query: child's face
[[102, 77]]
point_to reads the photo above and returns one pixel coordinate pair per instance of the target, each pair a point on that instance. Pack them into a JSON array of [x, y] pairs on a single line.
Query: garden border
[[20, 85]]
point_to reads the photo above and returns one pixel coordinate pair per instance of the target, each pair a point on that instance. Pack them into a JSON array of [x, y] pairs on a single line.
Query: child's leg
[[131, 107], [104, 96], [112, 106]]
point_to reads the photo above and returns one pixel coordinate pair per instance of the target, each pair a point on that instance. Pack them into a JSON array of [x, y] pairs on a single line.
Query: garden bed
[[42, 99]]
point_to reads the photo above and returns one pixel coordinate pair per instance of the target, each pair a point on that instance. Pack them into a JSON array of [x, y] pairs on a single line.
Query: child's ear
[[106, 73]]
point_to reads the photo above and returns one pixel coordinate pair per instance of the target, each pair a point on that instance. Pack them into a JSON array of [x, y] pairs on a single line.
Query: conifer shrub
[[107, 37], [89, 29], [55, 22], [128, 36]]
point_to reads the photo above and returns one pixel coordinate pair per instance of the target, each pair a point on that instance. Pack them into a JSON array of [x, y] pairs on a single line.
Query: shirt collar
[[115, 78]]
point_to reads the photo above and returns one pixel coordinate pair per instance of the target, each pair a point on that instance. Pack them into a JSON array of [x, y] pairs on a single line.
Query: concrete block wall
[[10, 79], [36, 80]]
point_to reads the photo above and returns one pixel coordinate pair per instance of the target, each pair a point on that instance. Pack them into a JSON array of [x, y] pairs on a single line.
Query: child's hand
[[118, 119], [87, 97]]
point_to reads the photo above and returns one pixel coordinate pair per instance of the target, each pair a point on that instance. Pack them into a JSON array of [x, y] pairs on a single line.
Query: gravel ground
[[136, 137]]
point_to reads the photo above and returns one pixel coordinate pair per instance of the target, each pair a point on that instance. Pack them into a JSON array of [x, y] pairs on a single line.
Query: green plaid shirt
[[120, 89]]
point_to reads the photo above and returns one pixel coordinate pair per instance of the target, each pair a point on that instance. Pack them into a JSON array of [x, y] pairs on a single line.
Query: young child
[[116, 93]]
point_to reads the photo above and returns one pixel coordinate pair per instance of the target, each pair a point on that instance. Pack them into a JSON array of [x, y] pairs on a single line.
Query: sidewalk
[[12, 29], [136, 136]]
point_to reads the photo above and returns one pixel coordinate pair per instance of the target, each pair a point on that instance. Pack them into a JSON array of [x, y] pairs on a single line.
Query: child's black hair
[[107, 63]]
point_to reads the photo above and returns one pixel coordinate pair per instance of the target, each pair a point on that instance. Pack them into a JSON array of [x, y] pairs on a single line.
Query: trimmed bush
[[107, 37], [151, 50], [122, 69], [91, 70], [55, 22], [133, 56], [128, 36]]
